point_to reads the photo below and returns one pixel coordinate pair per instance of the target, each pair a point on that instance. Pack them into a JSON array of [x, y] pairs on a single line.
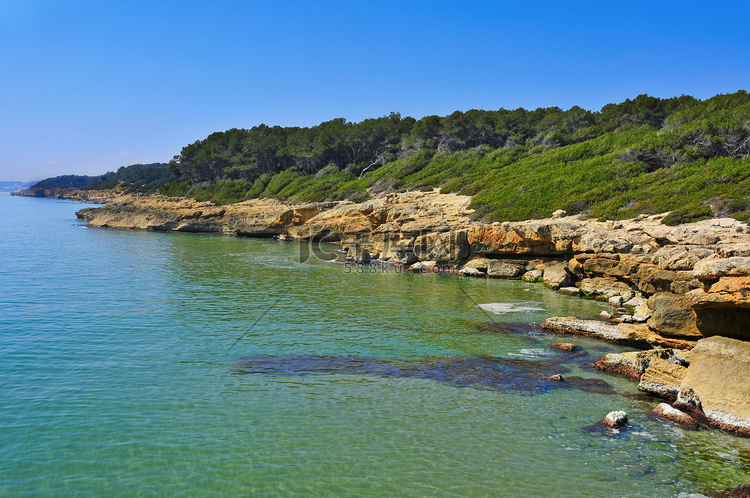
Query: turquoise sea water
[[118, 376]]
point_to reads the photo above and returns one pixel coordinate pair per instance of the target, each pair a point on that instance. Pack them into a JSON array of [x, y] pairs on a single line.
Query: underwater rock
[[483, 372], [565, 346]]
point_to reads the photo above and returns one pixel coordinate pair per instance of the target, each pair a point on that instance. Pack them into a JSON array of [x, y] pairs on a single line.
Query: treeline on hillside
[[362, 147], [133, 178], [625, 159]]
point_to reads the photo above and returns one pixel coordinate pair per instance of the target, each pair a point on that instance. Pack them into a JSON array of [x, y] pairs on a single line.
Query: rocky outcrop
[[710, 381], [596, 328], [263, 218], [635, 364], [724, 309]]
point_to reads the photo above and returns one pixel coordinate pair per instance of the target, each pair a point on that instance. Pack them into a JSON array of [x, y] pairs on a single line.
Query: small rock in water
[[565, 346], [558, 378], [675, 415], [616, 419], [605, 314], [616, 301], [569, 291]]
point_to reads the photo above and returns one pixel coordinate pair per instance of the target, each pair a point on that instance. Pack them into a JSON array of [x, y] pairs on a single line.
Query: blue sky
[[87, 86]]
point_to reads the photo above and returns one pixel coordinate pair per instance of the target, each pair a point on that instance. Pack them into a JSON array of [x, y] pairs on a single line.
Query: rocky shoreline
[[72, 194], [681, 293]]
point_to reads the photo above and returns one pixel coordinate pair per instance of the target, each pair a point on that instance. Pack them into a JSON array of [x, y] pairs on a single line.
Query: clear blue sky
[[87, 86]]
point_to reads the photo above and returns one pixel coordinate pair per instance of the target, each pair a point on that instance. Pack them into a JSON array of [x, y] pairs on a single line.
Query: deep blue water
[[121, 373]]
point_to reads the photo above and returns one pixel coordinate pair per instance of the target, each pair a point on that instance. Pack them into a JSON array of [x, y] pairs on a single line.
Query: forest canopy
[[133, 178]]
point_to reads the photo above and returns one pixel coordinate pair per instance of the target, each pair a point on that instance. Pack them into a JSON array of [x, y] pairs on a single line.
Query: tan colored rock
[[651, 279], [663, 378], [713, 268], [565, 346], [480, 264], [506, 268], [673, 315], [620, 333], [718, 384], [642, 313], [670, 413], [472, 272], [532, 275], [556, 275], [724, 309], [629, 364], [606, 287], [682, 256]]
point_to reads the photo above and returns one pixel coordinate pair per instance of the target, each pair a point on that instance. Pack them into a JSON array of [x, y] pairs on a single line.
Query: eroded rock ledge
[[672, 287]]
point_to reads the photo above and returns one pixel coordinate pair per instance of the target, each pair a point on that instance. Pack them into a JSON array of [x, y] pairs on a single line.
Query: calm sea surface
[[118, 376]]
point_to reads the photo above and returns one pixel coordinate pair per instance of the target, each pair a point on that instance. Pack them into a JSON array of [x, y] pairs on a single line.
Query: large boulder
[[651, 279], [672, 315], [556, 275], [718, 383], [631, 364], [506, 268]]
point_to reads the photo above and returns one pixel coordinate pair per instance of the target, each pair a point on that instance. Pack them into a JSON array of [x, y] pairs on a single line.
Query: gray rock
[[532, 275], [506, 268], [569, 291], [556, 275]]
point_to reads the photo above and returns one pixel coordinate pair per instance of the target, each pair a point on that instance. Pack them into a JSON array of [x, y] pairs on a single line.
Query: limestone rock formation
[[724, 309], [663, 378]]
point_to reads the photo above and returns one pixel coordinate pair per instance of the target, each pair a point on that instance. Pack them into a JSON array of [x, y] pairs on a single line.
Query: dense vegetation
[[644, 155], [134, 178]]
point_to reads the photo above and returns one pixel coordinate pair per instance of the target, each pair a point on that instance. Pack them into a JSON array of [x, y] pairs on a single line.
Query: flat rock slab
[[593, 328]]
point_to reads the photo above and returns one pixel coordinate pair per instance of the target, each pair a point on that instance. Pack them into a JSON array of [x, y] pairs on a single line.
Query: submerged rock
[[501, 374], [565, 346]]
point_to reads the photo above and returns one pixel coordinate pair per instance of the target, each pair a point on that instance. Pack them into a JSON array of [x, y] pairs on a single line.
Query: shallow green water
[[118, 376]]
